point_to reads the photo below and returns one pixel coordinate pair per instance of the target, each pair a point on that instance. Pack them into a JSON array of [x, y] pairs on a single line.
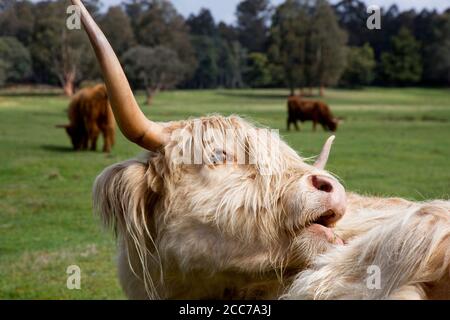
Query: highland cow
[[89, 115], [240, 218], [309, 110]]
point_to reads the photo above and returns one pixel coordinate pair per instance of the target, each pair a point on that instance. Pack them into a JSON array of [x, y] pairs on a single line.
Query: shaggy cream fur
[[225, 230], [409, 243]]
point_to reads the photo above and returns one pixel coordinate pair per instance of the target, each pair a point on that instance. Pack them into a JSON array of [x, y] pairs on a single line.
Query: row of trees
[[410, 48], [298, 44]]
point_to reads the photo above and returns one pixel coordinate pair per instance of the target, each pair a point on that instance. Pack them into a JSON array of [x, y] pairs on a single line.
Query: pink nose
[[334, 197]]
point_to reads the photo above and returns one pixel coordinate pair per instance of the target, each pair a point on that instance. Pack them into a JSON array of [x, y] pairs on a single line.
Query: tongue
[[325, 233]]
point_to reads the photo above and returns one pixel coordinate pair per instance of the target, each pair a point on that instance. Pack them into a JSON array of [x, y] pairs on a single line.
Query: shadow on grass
[[57, 148], [49, 114], [254, 95], [412, 118], [31, 94], [24, 90]]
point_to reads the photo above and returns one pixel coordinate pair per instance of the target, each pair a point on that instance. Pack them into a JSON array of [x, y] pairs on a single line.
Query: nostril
[[321, 184]]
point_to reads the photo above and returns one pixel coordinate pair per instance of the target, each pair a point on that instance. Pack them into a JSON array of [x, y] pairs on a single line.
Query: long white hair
[[399, 254]]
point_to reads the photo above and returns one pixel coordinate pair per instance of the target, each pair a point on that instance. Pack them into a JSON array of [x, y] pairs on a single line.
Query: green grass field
[[393, 142]]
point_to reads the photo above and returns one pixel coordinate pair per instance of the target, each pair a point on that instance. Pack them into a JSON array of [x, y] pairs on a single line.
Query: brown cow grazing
[[89, 114], [212, 210], [316, 111]]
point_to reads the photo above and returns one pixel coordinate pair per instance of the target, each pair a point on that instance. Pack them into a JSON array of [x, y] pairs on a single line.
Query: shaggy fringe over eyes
[[267, 160], [411, 249]]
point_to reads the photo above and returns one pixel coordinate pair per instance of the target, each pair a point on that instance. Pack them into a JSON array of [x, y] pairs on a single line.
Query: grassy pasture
[[392, 142]]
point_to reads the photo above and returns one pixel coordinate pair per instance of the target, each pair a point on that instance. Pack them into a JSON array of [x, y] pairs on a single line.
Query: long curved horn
[[132, 122], [321, 161]]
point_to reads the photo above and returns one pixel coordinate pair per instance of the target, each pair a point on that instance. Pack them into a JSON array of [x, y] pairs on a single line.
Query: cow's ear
[[121, 193]]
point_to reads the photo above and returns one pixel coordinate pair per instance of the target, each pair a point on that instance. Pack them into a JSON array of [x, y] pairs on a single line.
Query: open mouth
[[328, 219], [322, 227]]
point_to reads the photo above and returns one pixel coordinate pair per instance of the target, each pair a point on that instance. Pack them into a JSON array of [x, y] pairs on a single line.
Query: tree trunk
[[67, 67], [321, 91], [149, 99], [68, 88], [150, 92]]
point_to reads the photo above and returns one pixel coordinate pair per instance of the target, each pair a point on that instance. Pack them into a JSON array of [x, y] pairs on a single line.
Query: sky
[[223, 10]]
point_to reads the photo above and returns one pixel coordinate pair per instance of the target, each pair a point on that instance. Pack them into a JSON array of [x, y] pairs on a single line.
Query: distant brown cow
[[315, 111], [89, 114]]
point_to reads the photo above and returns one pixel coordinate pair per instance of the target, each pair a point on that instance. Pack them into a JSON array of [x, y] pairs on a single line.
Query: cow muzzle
[[332, 197]]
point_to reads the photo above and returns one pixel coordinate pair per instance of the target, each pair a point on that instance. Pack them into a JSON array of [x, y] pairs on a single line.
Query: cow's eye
[[219, 157]]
